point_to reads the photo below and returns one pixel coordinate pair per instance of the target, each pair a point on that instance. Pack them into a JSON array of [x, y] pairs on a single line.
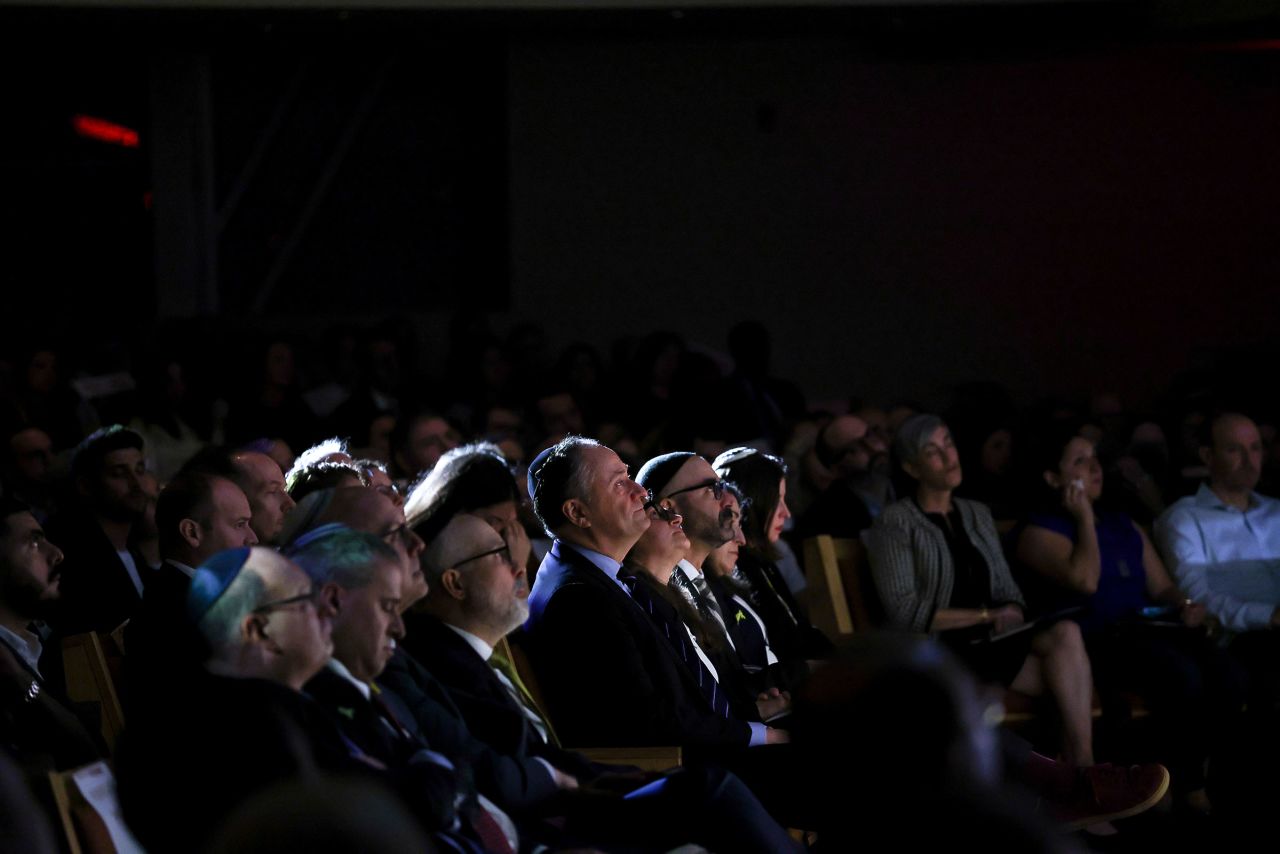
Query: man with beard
[[35, 728], [478, 595], [102, 578]]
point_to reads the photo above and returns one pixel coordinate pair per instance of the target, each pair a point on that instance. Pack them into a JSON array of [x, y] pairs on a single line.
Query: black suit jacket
[[97, 592], [609, 677], [160, 644], [509, 777], [37, 727], [491, 713], [430, 789]]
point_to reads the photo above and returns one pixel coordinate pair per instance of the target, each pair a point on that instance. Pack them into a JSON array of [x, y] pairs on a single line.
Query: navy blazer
[[509, 777], [609, 677], [491, 713]]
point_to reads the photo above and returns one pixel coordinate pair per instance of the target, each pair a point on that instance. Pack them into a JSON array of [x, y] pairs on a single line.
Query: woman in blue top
[[1102, 560]]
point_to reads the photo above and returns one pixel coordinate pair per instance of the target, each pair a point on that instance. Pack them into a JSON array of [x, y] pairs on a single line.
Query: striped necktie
[[503, 665]]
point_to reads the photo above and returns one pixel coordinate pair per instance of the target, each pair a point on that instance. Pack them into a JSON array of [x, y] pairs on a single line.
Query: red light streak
[[105, 131]]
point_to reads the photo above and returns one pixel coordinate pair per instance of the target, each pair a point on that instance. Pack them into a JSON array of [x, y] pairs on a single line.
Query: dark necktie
[[678, 635], [504, 666]]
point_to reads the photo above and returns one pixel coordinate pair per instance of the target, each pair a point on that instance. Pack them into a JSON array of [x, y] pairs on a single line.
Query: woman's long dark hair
[[757, 475]]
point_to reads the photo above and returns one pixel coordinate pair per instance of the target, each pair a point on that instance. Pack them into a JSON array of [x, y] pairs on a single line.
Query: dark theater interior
[[625, 425]]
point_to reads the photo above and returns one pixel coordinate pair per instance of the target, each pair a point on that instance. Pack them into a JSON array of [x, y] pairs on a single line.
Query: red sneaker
[[1109, 793]]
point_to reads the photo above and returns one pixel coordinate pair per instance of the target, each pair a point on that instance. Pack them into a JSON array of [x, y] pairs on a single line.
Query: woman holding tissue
[[1142, 634]]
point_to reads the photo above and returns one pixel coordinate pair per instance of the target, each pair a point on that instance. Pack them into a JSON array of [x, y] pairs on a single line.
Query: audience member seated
[[762, 478], [846, 492], [609, 676], [37, 728], [28, 472], [198, 515], [734, 593], [1223, 544], [375, 475], [417, 442], [364, 580], [1103, 561], [102, 578], [478, 595], [260, 478], [651, 575], [938, 569], [188, 762], [322, 475]]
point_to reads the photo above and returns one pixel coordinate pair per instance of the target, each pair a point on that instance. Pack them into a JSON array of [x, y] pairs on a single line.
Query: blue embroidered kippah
[[212, 579]]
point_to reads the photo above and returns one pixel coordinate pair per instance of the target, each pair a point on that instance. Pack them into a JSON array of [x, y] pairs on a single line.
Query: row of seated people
[[366, 646], [1112, 615]]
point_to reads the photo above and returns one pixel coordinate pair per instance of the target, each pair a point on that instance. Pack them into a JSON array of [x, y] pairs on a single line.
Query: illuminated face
[[120, 489], [496, 590], [665, 538], [1079, 462], [29, 576], [722, 561], [1235, 460], [266, 493], [781, 513], [937, 466], [229, 523], [368, 623], [694, 489], [302, 631], [615, 502], [375, 513]]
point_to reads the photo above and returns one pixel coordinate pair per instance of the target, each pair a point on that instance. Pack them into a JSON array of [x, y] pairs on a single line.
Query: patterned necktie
[[504, 666]]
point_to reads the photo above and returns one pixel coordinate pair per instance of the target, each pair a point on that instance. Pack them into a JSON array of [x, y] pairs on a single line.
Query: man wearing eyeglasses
[[478, 595], [609, 677]]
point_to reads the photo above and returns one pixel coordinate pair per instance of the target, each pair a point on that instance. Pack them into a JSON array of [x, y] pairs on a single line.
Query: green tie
[[501, 663]]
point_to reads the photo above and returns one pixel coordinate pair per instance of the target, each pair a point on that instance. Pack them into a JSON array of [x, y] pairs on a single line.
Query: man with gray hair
[[241, 724], [362, 578]]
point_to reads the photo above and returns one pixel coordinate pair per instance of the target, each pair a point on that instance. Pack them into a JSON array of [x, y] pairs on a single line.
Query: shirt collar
[[188, 571], [482, 649], [341, 670], [26, 644], [604, 563], [690, 571], [1206, 497]]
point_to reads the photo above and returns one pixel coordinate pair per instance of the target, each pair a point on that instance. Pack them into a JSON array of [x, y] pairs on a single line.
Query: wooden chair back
[[841, 595], [89, 680]]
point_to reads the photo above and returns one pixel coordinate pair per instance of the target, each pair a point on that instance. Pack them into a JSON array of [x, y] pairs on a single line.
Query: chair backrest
[[89, 681], [646, 758], [89, 812], [842, 597]]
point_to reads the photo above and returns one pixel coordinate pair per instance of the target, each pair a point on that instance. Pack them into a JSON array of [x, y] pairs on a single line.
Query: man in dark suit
[[477, 596], [609, 677], [197, 516], [362, 579], [102, 579], [244, 725]]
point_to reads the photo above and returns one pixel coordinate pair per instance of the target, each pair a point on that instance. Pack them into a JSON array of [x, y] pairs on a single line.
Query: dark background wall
[[1055, 200], [1070, 221]]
